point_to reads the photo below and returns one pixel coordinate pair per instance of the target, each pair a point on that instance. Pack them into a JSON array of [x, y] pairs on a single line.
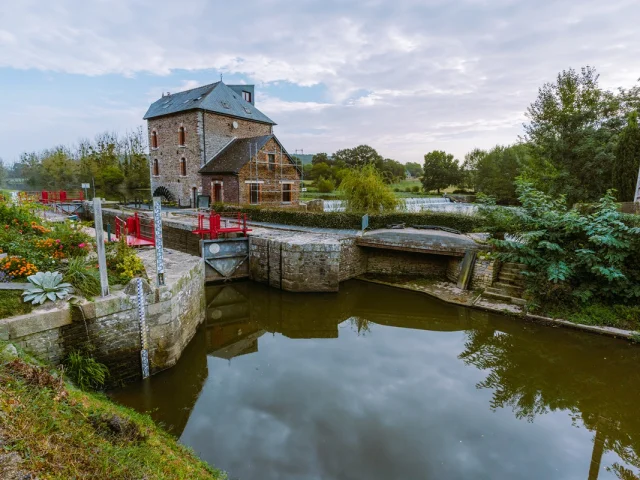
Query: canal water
[[380, 383]]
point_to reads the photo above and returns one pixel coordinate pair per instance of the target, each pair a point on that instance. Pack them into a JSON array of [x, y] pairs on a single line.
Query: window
[[286, 192], [154, 139], [247, 96], [183, 167], [254, 193], [181, 136], [272, 162], [156, 167]]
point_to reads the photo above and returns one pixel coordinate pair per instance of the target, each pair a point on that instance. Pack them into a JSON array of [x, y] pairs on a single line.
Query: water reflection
[[375, 382]]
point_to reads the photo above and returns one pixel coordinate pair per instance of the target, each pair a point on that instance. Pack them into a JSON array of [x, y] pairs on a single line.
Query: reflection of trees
[[361, 325], [536, 370]]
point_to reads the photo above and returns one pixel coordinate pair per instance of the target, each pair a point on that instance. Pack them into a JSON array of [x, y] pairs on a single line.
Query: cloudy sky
[[404, 76]]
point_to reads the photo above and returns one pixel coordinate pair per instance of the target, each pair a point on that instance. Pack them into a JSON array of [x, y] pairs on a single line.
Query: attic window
[[226, 105], [247, 110], [247, 96]]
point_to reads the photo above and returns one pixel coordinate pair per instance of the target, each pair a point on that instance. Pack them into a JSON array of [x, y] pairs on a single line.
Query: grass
[[618, 316], [11, 304], [61, 432]]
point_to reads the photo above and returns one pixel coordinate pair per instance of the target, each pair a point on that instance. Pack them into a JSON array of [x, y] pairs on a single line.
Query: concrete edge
[[594, 329]]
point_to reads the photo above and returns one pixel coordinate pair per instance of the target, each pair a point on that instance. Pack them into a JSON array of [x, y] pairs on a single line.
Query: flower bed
[[34, 245]]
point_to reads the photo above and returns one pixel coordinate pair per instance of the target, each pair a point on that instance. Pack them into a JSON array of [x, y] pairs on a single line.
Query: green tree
[[358, 156], [414, 169], [319, 170], [59, 169], [440, 171], [111, 178], [572, 131], [4, 173], [325, 185], [497, 170], [627, 160], [469, 169], [321, 158], [365, 190]]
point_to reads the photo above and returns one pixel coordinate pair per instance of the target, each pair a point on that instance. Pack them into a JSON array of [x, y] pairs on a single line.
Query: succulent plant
[[46, 286]]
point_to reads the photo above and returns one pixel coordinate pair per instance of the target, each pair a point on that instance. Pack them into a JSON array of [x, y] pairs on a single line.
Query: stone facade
[[110, 325], [205, 134]]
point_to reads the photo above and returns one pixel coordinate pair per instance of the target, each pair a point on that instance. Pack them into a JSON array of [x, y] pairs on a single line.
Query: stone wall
[[483, 276], [294, 264], [110, 325], [394, 262]]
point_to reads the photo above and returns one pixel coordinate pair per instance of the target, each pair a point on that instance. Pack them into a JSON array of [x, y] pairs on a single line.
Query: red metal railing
[[139, 231], [211, 225]]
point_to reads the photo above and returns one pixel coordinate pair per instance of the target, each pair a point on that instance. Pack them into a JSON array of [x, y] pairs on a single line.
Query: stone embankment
[[110, 326]]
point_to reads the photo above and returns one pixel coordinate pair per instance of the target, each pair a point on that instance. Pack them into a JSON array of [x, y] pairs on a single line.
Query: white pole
[[102, 258], [157, 225]]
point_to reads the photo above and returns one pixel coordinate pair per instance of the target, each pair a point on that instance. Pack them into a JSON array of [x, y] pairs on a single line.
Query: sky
[[404, 76]]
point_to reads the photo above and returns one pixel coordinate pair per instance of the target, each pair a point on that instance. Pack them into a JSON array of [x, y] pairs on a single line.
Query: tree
[[414, 169], [112, 177], [440, 171], [469, 170], [572, 130], [319, 170], [358, 156], [325, 185], [627, 160], [497, 170], [4, 173], [321, 158], [364, 190]]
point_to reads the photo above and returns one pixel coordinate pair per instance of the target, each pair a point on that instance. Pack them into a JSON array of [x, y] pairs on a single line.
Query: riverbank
[[51, 429], [449, 293]]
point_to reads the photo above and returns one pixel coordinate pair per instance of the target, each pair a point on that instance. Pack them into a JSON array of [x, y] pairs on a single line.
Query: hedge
[[353, 221]]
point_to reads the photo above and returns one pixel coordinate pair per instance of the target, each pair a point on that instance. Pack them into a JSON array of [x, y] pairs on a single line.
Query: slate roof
[[237, 154], [215, 97]]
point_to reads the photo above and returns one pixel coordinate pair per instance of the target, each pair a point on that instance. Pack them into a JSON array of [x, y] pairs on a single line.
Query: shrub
[[353, 220], [85, 371], [364, 190], [123, 263], [75, 242], [325, 185], [572, 257], [415, 189], [84, 277]]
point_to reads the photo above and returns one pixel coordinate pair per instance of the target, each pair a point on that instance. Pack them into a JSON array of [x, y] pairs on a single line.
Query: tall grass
[[83, 276]]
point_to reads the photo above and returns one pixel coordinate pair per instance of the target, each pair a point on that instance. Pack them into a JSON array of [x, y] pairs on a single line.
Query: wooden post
[[157, 226], [102, 258]]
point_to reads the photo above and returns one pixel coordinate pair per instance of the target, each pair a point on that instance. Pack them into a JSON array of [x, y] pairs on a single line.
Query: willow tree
[[364, 190]]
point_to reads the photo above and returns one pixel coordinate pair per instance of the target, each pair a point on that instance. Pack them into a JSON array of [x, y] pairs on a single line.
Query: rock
[[9, 352]]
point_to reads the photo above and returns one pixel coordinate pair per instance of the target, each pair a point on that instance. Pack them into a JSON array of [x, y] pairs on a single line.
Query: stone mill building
[[212, 140]]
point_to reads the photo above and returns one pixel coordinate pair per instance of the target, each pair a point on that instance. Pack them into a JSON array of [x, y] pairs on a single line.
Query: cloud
[[424, 65]]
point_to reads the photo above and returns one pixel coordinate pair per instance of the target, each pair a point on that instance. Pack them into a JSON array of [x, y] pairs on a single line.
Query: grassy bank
[[52, 430]]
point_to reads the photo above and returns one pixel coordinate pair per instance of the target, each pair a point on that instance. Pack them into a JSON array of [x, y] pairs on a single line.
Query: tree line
[[328, 171], [580, 141], [116, 164]]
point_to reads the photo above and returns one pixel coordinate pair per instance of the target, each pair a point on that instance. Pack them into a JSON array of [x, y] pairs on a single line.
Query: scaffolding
[[278, 170]]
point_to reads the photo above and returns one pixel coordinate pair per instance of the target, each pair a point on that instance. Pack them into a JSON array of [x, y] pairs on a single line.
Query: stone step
[[516, 271], [511, 289], [520, 266], [497, 295], [511, 278]]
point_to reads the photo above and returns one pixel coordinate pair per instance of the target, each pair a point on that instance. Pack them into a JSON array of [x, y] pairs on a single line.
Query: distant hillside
[[306, 158]]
